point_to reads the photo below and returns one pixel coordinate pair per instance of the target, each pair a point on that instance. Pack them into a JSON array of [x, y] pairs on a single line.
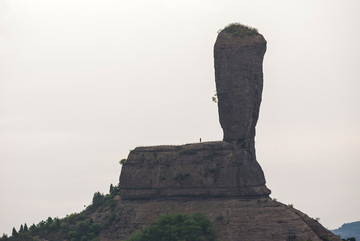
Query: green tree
[[32, 227], [83, 226], [114, 189], [73, 235], [177, 227], [41, 224], [98, 199], [21, 228], [94, 229], [26, 229], [14, 232]]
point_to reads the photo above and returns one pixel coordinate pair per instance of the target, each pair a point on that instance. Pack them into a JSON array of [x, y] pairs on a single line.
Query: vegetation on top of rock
[[239, 30], [177, 227], [122, 161]]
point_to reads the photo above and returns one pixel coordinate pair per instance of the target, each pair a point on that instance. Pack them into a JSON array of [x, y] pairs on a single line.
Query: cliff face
[[238, 55], [217, 169], [223, 179], [212, 169]]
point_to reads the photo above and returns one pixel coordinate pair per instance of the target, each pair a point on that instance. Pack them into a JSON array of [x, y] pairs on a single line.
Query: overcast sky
[[82, 82]]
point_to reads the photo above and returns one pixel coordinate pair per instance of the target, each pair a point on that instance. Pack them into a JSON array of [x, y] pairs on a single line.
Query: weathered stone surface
[[216, 169], [238, 54], [221, 179], [210, 169], [234, 219]]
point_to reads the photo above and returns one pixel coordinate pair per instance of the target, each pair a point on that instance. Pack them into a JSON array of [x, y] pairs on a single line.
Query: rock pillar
[[225, 169], [238, 54]]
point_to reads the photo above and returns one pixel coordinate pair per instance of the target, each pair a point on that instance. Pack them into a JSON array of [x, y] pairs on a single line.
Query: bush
[[94, 229], [98, 199], [71, 218], [240, 30], [177, 227], [73, 234], [83, 226]]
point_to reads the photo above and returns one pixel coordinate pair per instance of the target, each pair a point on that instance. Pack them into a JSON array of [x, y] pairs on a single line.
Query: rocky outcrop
[[234, 219], [211, 169], [216, 169], [238, 54], [223, 179]]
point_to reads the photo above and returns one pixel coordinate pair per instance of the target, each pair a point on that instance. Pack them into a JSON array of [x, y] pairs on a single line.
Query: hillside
[[111, 218]]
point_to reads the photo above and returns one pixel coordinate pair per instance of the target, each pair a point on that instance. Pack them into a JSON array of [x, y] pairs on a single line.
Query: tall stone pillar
[[238, 53], [225, 169]]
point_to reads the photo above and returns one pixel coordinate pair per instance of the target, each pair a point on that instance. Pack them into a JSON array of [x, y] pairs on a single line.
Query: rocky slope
[[234, 219]]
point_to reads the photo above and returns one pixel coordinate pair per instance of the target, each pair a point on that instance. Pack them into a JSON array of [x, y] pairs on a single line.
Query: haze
[[83, 82]]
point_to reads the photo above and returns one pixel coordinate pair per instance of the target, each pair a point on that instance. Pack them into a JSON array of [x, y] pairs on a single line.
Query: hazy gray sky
[[84, 81]]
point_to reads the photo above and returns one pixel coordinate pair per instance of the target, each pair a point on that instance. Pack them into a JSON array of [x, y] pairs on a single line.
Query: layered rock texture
[[217, 169], [234, 219], [238, 54], [223, 179], [212, 169]]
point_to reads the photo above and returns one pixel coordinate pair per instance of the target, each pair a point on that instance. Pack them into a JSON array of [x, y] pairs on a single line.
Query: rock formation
[[217, 169], [234, 219], [238, 54], [223, 179], [210, 169]]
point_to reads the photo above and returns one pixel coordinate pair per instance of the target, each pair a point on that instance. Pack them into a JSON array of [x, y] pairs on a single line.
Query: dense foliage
[[240, 30], [349, 239], [177, 227], [74, 227]]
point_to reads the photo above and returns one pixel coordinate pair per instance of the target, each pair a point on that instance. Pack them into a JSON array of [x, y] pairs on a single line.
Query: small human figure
[[200, 139]]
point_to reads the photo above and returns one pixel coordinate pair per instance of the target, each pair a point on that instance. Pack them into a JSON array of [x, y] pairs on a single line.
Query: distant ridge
[[348, 230]]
